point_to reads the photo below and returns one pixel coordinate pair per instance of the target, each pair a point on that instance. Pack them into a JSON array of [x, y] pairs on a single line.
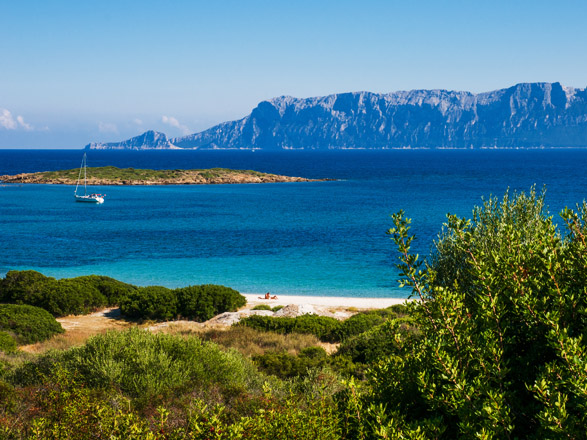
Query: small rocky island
[[129, 176]]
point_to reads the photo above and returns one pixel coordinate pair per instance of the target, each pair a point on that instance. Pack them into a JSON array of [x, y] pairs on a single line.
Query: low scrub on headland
[[493, 349], [111, 175], [135, 174]]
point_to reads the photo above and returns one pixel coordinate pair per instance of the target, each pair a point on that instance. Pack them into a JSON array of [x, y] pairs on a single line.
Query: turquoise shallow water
[[323, 238]]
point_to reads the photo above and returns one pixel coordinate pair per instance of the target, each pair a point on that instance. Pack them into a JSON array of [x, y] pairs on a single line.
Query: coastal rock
[[527, 115], [293, 310], [230, 318], [289, 311]]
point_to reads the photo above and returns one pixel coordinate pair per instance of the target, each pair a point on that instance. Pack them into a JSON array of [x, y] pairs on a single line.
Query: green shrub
[[284, 365], [502, 352], [7, 342], [276, 308], [144, 365], [320, 326], [113, 290], [199, 303], [84, 294], [262, 307], [323, 327], [203, 302], [67, 296], [28, 324], [378, 342], [71, 297], [24, 287], [153, 302], [361, 322]]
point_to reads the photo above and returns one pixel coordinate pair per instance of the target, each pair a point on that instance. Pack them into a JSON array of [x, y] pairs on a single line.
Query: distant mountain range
[[526, 115]]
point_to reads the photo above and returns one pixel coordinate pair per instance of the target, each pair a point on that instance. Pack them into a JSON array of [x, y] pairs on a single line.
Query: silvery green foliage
[[502, 314]]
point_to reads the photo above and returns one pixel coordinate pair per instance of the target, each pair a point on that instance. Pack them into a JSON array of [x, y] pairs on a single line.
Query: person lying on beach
[[268, 296]]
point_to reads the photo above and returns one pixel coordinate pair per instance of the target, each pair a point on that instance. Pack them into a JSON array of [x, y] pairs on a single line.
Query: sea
[[323, 238]]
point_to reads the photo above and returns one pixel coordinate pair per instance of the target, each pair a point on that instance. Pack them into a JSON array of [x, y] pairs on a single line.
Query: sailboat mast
[[85, 179], [80, 174]]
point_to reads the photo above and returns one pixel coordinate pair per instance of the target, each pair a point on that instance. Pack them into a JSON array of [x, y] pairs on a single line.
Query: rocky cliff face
[[150, 140], [525, 115]]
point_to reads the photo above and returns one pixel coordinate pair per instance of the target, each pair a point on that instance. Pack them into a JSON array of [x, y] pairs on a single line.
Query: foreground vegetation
[[494, 349]]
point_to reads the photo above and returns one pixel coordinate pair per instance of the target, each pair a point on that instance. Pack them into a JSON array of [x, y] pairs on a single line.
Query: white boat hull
[[89, 199]]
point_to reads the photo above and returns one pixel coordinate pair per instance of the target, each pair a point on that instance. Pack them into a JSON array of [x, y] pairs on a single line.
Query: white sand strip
[[329, 301]]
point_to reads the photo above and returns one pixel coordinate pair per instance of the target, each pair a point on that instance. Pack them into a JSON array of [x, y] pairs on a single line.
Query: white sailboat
[[90, 198]]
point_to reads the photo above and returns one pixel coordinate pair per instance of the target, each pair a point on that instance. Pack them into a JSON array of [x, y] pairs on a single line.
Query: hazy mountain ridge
[[525, 115], [149, 140]]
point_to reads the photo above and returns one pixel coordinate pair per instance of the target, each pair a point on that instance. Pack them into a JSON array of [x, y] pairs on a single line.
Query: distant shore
[[130, 176]]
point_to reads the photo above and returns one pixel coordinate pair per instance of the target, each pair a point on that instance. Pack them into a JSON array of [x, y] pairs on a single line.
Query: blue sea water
[[319, 238]]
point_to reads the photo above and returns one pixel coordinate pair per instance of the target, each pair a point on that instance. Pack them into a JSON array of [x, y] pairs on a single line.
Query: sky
[[74, 72]]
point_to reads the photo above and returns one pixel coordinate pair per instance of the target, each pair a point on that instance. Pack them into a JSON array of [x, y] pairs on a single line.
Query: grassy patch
[[253, 342]]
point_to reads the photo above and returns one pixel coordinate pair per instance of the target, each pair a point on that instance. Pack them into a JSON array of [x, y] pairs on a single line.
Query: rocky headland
[[130, 176]]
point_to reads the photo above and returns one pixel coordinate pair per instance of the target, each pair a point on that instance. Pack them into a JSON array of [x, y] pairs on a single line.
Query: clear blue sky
[[72, 72]]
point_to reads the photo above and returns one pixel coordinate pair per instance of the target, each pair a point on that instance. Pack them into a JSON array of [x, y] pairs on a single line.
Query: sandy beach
[[328, 301]]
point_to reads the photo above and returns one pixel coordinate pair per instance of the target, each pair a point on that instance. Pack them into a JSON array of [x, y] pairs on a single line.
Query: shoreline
[[327, 301]]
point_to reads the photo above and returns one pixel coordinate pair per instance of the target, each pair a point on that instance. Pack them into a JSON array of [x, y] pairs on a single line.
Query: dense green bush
[[67, 296], [84, 294], [363, 321], [377, 342], [284, 365], [24, 287], [323, 327], [113, 290], [144, 365], [198, 303], [503, 319], [153, 302], [320, 326], [72, 297], [28, 324], [203, 302], [7, 342]]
